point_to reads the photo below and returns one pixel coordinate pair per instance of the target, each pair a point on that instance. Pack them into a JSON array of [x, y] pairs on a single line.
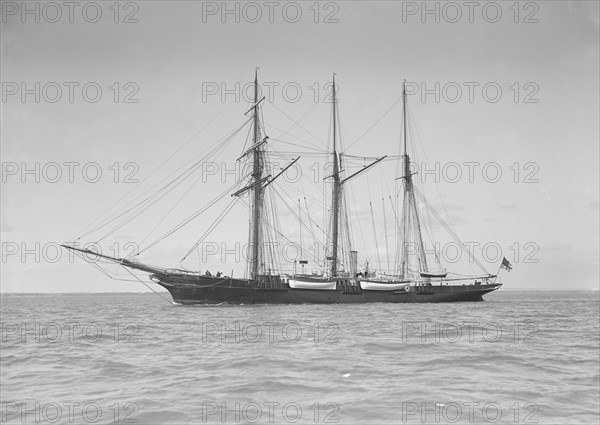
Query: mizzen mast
[[257, 201]]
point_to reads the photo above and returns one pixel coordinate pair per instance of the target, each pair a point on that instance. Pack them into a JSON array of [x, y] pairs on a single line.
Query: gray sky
[[544, 119]]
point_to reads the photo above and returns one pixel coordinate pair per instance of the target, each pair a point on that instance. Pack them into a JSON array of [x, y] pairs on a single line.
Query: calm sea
[[519, 357]]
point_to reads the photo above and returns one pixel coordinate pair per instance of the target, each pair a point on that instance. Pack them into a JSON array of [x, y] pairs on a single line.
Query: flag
[[506, 265]]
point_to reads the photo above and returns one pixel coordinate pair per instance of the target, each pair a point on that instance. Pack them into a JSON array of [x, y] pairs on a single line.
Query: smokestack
[[353, 263]]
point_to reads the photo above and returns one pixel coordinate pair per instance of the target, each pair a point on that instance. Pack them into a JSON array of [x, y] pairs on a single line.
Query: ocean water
[[519, 357]]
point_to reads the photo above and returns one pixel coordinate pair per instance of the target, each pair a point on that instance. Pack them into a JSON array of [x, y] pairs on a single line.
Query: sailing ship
[[339, 280]]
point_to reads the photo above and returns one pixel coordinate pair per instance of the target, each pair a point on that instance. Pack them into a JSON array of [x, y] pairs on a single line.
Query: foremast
[[259, 180]]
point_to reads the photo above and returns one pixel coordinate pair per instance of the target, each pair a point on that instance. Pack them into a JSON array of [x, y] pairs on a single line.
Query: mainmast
[[336, 192], [409, 205], [257, 190], [338, 184]]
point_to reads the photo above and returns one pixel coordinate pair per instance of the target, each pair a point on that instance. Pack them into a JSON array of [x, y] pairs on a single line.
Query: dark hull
[[210, 290]]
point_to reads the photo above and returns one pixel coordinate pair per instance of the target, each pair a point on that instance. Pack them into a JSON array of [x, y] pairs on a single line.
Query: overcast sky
[[510, 88]]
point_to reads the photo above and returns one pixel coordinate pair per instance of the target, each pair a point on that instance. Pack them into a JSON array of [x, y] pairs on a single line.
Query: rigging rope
[[451, 232], [181, 177], [189, 219], [375, 123], [157, 168], [211, 227], [297, 123], [143, 283]]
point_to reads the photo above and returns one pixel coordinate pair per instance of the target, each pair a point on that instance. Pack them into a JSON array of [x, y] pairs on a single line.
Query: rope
[[450, 231], [375, 123], [211, 227], [177, 180], [144, 283], [296, 123], [189, 219], [157, 168]]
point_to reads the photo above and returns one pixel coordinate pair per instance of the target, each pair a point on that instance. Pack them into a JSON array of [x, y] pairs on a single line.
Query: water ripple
[[531, 355]]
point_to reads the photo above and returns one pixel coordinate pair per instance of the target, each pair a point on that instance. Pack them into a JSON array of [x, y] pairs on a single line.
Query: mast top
[[404, 113], [334, 120]]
